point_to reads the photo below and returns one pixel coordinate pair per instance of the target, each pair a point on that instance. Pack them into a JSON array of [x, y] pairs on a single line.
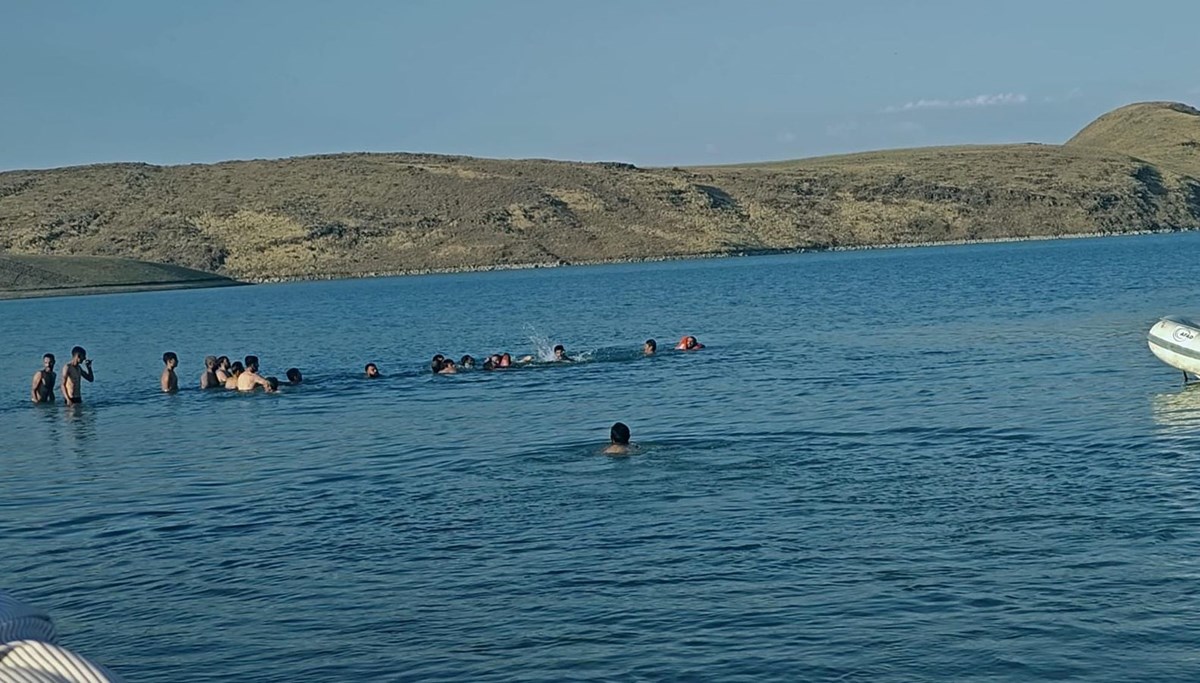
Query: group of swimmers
[[443, 365], [220, 373]]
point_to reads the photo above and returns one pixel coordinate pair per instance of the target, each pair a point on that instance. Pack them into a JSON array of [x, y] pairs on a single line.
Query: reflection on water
[[1178, 411]]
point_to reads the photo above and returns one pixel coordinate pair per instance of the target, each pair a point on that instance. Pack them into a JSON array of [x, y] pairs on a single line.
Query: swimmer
[[489, 364], [169, 382], [272, 385], [467, 362], [249, 380], [235, 371], [689, 343], [293, 376], [208, 378], [43, 381], [436, 362], [79, 368], [371, 371], [505, 360], [446, 367], [560, 354], [650, 347], [222, 369], [619, 440]]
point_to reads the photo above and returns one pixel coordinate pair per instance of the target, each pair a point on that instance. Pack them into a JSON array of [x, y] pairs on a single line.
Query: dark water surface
[[932, 464]]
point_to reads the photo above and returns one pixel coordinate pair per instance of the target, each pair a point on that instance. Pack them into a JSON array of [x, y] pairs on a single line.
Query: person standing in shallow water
[[208, 378], [249, 380], [170, 382], [80, 368], [43, 381], [618, 438], [223, 373], [235, 371]]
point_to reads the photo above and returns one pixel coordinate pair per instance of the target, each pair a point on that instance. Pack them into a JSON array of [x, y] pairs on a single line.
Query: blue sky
[[644, 81]]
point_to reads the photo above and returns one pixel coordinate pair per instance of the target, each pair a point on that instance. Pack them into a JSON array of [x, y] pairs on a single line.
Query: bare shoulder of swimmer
[[617, 449]]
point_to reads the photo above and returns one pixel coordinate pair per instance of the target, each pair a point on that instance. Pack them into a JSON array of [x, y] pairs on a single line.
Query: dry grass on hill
[[358, 214]]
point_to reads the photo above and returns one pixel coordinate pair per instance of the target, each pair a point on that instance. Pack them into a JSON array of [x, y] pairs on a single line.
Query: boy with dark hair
[[169, 382], [43, 381], [619, 438], [80, 368]]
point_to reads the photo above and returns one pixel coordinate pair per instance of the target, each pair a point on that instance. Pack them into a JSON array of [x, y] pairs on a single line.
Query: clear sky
[[652, 82]]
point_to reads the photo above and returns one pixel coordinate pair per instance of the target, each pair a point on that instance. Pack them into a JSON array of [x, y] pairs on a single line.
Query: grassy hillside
[[23, 275], [1162, 133], [360, 214]]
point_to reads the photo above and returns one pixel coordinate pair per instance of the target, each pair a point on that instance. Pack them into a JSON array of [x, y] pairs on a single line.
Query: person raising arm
[[79, 368]]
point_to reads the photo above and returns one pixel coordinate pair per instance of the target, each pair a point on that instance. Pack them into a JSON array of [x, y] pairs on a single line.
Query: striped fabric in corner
[[19, 621]]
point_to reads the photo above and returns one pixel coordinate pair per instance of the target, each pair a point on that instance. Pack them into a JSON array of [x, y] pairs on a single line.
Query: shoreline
[[125, 288], [221, 281], [740, 253]]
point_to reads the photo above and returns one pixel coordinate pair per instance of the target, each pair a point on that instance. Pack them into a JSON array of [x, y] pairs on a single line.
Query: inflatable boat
[[1176, 342]]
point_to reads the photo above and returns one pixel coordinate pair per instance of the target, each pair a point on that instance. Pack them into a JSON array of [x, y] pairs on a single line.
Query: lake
[[952, 463]]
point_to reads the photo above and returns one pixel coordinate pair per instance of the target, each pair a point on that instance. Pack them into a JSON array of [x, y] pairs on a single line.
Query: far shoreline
[[222, 281], [740, 253], [126, 288]]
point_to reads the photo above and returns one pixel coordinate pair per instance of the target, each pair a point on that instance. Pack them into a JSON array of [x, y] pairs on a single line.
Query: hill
[[26, 276], [1161, 133], [363, 214]]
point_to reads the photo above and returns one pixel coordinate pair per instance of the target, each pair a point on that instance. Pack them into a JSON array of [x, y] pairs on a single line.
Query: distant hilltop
[[1134, 169]]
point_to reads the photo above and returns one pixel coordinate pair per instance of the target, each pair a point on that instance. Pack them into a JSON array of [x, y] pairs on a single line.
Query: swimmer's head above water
[[467, 362], [170, 359], [649, 347], [689, 343], [618, 437], [560, 353], [293, 376], [371, 370]]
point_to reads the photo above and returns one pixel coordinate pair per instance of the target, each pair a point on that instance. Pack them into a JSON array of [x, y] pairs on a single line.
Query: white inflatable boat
[[1176, 342]]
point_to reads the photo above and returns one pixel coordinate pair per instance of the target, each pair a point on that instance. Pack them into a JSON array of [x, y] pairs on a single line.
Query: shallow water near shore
[[955, 463]]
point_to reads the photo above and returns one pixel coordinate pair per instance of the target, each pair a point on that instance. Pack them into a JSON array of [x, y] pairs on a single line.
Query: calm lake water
[[955, 464]]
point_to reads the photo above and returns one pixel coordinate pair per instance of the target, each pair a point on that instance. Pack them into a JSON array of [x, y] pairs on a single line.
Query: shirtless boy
[[79, 368], [43, 381], [250, 380], [170, 383], [618, 438]]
